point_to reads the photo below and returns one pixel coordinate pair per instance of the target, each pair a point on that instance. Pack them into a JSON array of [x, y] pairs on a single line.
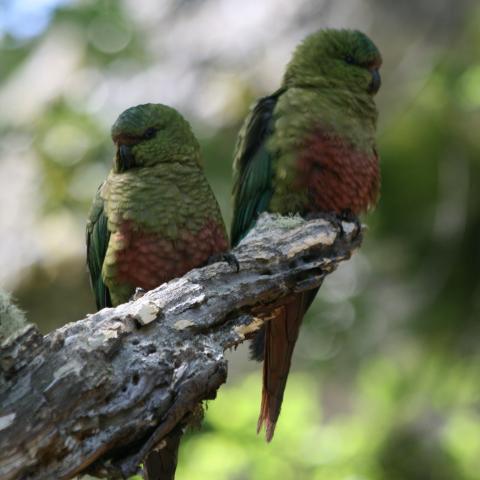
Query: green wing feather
[[98, 237], [253, 168]]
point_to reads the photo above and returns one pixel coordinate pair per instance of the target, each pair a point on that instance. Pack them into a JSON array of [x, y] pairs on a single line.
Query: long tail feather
[[161, 464], [257, 344], [281, 334]]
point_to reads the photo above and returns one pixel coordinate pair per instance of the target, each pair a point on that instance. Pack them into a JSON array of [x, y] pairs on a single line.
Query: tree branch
[[99, 393]]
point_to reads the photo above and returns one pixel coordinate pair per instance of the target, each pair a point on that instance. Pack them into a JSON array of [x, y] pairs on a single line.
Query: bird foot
[[348, 216], [345, 215], [139, 293], [227, 257]]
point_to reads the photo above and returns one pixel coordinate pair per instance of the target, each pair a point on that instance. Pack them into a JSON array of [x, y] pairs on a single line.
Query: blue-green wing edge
[[98, 237], [253, 168]]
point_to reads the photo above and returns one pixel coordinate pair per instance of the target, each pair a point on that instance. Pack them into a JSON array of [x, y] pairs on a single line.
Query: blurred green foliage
[[391, 431], [385, 382]]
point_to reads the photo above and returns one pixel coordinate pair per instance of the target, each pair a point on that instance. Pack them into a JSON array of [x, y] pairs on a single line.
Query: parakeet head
[[151, 134], [340, 59]]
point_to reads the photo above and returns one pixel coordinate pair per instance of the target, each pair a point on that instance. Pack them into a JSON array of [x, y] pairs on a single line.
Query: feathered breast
[[337, 175]]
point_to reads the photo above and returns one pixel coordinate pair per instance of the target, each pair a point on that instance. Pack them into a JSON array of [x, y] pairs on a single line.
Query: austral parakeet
[[153, 219], [308, 148]]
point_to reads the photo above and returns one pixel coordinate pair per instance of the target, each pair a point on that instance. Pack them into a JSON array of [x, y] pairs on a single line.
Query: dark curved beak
[[375, 83], [124, 159]]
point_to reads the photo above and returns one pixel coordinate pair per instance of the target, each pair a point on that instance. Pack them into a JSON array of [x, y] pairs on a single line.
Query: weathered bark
[[100, 393]]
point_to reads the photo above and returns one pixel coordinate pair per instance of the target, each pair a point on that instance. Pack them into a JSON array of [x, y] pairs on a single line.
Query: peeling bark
[[98, 394]]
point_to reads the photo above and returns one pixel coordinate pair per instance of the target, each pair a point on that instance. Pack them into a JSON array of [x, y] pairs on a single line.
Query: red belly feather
[[149, 259], [338, 176]]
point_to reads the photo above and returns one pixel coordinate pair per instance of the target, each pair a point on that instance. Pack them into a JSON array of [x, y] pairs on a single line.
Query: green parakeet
[[307, 148], [153, 219]]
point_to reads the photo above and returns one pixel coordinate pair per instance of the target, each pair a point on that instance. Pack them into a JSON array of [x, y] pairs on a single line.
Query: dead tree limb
[[99, 393]]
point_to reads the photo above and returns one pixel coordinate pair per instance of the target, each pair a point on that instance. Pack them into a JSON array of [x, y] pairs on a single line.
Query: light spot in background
[[109, 35], [346, 281], [61, 236], [221, 101], [462, 434], [19, 193], [41, 78], [469, 88], [341, 315], [86, 90], [148, 12], [66, 144]]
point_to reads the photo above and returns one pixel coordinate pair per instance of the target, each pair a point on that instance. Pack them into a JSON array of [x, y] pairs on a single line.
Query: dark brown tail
[[281, 334], [161, 464], [257, 344]]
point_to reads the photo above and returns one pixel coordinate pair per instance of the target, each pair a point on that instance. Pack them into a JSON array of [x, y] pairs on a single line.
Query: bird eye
[[149, 133], [349, 59]]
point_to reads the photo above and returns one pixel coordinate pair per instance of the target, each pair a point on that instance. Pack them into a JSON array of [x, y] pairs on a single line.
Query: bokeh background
[[385, 380]]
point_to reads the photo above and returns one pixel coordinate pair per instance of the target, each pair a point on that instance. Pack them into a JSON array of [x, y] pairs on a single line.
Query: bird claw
[[139, 293], [227, 257], [348, 216], [345, 215]]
